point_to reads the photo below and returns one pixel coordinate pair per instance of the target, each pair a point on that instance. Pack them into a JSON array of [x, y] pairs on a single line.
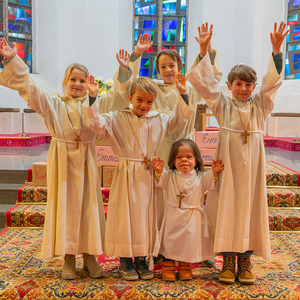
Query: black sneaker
[[143, 269], [128, 271]]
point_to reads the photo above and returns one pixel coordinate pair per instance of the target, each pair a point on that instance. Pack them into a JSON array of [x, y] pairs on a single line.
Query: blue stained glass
[[292, 47], [288, 2], [29, 57], [148, 0], [137, 4], [296, 2], [165, 33], [145, 10], [24, 2], [152, 9], [170, 8], [287, 70], [136, 25], [288, 37], [297, 76], [298, 47], [183, 38], [144, 72], [296, 32], [166, 24], [296, 58], [296, 66], [173, 24], [149, 24], [136, 35], [183, 5], [14, 27], [143, 61], [183, 59]]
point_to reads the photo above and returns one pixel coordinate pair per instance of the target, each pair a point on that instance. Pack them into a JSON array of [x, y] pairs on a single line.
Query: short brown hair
[[68, 74], [243, 72], [143, 84], [173, 54], [185, 142]]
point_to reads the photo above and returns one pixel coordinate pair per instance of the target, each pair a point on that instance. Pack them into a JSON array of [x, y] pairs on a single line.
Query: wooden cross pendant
[[245, 135], [182, 195], [77, 140], [146, 160]]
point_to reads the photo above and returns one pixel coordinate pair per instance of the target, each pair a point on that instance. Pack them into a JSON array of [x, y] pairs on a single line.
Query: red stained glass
[[11, 17], [21, 53]]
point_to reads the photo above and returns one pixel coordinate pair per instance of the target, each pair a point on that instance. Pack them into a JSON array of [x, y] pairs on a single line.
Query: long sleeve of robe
[[240, 219], [130, 228], [75, 220]]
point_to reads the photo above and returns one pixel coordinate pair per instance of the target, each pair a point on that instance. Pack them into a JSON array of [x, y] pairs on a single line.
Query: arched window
[[292, 65], [16, 26], [166, 21]]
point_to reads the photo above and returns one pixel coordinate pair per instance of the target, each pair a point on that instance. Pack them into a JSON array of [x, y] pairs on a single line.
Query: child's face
[[168, 69], [241, 90], [185, 160], [76, 84], [142, 102]]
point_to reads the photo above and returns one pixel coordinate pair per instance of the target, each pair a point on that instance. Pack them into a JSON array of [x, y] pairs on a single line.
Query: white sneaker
[[69, 271], [92, 266]]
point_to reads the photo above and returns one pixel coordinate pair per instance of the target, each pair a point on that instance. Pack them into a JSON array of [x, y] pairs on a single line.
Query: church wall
[[91, 32]]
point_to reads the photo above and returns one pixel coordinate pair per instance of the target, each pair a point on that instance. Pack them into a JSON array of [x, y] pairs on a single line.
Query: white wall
[[91, 32]]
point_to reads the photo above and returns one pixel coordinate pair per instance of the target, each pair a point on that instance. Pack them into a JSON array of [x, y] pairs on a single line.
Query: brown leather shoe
[[169, 270], [244, 270], [227, 274], [185, 271]]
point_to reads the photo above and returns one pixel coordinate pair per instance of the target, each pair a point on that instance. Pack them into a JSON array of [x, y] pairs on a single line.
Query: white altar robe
[[184, 231], [240, 214], [74, 220], [167, 98], [132, 216]]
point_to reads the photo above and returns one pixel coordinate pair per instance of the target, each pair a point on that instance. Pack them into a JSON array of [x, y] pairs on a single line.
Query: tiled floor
[[22, 158]]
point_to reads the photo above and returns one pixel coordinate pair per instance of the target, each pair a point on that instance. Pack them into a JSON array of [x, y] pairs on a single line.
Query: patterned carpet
[[23, 275]]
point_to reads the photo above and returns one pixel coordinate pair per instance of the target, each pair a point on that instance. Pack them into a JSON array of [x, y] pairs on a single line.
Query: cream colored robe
[[238, 209], [132, 216], [75, 220], [184, 231], [166, 100]]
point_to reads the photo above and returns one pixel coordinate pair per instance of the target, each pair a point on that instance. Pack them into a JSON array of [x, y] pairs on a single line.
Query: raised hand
[[204, 39], [158, 164], [143, 44], [123, 58], [277, 37], [92, 86], [181, 84], [6, 50], [217, 167]]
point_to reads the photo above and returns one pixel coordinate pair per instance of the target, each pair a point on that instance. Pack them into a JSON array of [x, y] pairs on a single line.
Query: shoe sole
[[168, 279], [227, 280], [185, 278], [85, 268], [247, 281], [147, 277], [68, 277], [129, 278]]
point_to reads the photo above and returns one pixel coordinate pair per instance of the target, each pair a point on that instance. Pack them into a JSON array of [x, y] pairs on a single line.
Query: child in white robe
[[184, 233], [168, 66], [135, 135], [74, 222], [240, 215]]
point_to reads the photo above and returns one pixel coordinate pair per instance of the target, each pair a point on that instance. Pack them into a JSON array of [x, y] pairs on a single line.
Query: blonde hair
[[143, 84], [243, 72], [68, 74]]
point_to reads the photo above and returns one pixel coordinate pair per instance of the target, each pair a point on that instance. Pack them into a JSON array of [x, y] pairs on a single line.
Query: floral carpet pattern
[[24, 275]]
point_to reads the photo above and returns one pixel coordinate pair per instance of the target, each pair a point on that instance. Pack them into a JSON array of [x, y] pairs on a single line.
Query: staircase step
[[8, 193], [13, 176], [284, 219], [283, 197]]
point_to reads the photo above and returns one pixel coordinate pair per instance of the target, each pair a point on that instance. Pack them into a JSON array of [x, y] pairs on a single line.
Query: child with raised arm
[[168, 66], [75, 220], [238, 208], [135, 135], [184, 231]]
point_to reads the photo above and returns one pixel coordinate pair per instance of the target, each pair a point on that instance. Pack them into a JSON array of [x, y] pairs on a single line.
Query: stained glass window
[[173, 30], [19, 28], [292, 61]]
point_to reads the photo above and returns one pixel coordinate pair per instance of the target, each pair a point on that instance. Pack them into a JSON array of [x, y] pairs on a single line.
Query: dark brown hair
[[243, 72], [173, 54], [185, 142]]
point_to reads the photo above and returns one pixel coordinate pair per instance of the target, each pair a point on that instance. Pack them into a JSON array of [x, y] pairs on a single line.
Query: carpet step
[[284, 219], [29, 216], [283, 197]]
